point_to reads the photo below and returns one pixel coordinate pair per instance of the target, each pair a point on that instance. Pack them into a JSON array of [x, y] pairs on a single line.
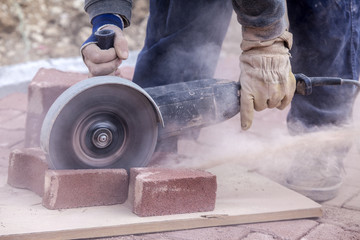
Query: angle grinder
[[110, 122]]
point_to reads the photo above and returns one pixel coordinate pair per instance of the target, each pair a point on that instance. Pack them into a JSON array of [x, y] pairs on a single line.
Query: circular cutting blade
[[102, 122]]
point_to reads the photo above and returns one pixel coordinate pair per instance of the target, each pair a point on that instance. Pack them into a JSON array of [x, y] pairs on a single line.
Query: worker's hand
[[266, 78], [105, 62]]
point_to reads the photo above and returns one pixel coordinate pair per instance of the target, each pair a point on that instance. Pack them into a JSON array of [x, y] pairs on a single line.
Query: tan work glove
[[266, 78]]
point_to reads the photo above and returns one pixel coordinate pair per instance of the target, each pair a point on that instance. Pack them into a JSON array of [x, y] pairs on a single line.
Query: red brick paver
[[259, 236], [84, 188], [11, 138], [9, 114], [346, 194], [161, 191], [345, 218], [354, 202], [45, 87], [27, 169], [291, 230], [331, 232], [15, 101]]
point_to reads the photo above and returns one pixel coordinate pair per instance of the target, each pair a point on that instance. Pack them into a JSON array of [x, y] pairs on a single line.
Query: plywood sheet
[[242, 197]]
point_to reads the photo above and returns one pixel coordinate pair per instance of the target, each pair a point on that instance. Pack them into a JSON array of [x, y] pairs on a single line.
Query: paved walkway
[[341, 218]]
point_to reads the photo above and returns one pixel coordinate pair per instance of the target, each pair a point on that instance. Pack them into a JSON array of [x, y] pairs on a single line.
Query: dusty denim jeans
[[184, 39], [326, 43]]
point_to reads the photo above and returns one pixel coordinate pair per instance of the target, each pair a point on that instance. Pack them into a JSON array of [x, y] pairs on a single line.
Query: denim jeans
[[326, 43], [184, 39]]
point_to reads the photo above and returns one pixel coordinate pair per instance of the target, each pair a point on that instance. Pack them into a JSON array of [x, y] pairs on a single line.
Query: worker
[[183, 42]]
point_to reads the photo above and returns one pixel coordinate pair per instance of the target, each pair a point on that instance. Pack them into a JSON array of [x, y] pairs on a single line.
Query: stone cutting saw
[[110, 122]]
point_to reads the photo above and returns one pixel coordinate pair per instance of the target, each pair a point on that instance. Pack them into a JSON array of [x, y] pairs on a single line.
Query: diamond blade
[[103, 122]]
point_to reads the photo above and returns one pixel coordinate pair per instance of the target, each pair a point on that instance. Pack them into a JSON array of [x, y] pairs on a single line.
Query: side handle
[[105, 38]]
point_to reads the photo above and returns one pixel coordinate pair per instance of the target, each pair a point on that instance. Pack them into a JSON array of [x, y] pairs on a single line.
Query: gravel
[[31, 30]]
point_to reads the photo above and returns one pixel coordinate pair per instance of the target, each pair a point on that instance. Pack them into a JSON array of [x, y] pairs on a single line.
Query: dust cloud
[[269, 150]]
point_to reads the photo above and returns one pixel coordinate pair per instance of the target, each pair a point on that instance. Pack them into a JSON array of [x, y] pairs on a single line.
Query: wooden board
[[242, 197]]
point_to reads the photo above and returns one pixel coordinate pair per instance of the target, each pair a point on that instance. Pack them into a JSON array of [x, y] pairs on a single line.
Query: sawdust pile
[[40, 29]]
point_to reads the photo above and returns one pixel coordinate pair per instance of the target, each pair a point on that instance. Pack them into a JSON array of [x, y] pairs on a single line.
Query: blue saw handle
[[105, 38]]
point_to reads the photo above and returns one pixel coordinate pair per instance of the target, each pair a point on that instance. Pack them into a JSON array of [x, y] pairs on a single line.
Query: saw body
[[109, 122], [196, 104]]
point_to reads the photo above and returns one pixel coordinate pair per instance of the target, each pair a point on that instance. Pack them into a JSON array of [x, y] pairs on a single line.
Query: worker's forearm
[[121, 7], [261, 19]]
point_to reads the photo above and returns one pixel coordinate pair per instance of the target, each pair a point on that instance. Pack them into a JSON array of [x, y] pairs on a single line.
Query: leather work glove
[[105, 62], [266, 78]]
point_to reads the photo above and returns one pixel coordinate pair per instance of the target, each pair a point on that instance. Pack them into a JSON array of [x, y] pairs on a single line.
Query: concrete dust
[[267, 147], [269, 152]]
